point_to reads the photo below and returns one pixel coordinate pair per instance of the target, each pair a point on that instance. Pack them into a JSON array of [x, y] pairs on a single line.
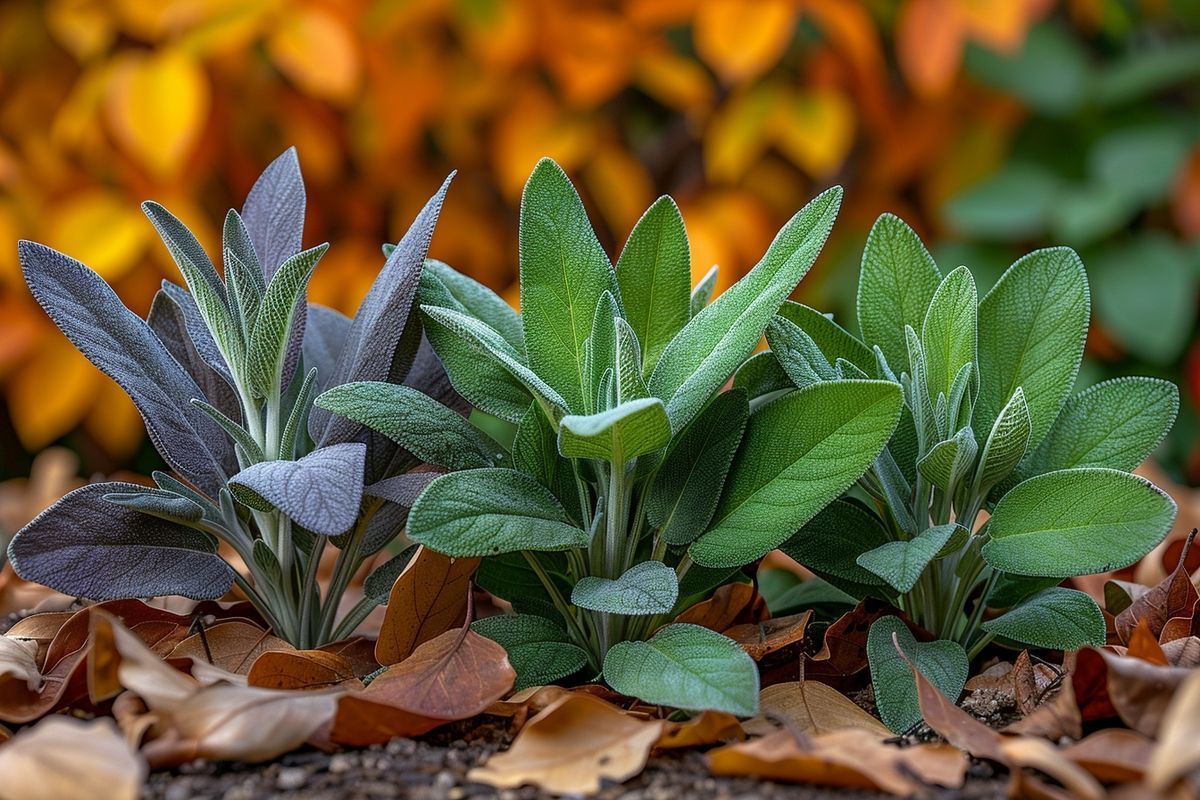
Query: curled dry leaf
[[709, 727], [1143, 645], [302, 669], [40, 628], [63, 758], [428, 599], [1178, 752], [1110, 685], [1113, 755], [760, 639], [850, 758], [731, 604], [18, 661], [232, 646], [1183, 652], [454, 676], [842, 660], [571, 746], [1175, 597], [358, 652], [812, 708]]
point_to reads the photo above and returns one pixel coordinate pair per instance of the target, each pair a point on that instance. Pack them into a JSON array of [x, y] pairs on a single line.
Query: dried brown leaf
[[1174, 597], [18, 662], [813, 708], [731, 604], [428, 599], [709, 727], [760, 639], [302, 669], [571, 746], [63, 758], [1113, 755], [232, 646], [1178, 752]]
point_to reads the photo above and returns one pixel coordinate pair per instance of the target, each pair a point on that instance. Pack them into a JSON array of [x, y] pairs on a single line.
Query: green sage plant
[[998, 483], [631, 485], [223, 373]]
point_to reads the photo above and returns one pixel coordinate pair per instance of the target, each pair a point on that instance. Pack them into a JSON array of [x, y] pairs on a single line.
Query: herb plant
[[632, 485], [224, 373], [998, 483]]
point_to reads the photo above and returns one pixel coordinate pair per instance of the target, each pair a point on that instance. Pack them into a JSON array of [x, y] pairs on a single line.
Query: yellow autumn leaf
[[102, 229], [156, 107], [675, 81], [737, 135], [815, 129], [50, 394], [620, 188], [114, 422], [85, 28], [742, 39], [316, 51]]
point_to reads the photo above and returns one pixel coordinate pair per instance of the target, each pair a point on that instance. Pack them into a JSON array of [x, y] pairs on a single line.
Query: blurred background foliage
[[993, 126]]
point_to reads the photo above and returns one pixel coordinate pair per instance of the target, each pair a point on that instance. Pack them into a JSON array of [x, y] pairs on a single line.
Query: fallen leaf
[[812, 708], [428, 599], [18, 661], [997, 676], [358, 652], [1183, 652], [301, 669], [454, 676], [842, 660], [759, 639], [1174, 597], [1112, 755], [1039, 754], [1178, 751], [852, 758], [1143, 645], [63, 758], [709, 727], [1054, 718], [232, 646], [730, 605], [571, 746], [40, 628], [1107, 684], [1031, 682]]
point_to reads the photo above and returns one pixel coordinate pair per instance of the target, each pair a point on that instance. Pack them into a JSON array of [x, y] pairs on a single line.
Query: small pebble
[[291, 779]]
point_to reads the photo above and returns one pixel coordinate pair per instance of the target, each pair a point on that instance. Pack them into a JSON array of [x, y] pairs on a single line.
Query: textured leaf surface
[[538, 648], [896, 284], [686, 489], [685, 666], [85, 547], [1113, 424], [654, 272], [647, 588], [719, 338], [1055, 618], [415, 421], [901, 563], [114, 339], [564, 272], [798, 355], [484, 512], [798, 454], [274, 327], [159, 503], [324, 337], [831, 542], [274, 212], [949, 461], [321, 491], [834, 340], [942, 662], [1032, 326], [1008, 441], [444, 286], [949, 332], [1077, 522], [630, 430]]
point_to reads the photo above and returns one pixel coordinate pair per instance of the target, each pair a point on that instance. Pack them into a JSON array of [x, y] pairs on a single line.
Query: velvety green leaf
[[798, 354], [236, 432], [1007, 443], [416, 422], [630, 383], [1055, 618], [1032, 326], [510, 577], [1012, 203], [686, 488], [1009, 590], [83, 546], [538, 649], [484, 512], [321, 491], [685, 666], [564, 271], [950, 461], [600, 356], [717, 340], [902, 563], [831, 542], [798, 454], [442, 285], [654, 272], [159, 503], [535, 452], [296, 428], [948, 334], [702, 294], [943, 662], [243, 273], [1113, 424], [1077, 522], [834, 340], [285, 293], [646, 588], [897, 281], [630, 430], [1144, 160], [761, 376]]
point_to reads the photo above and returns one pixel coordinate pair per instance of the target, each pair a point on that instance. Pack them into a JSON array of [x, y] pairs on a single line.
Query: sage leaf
[[950, 331], [418, 423], [600, 356], [719, 338], [798, 354], [159, 503], [950, 461], [630, 430], [442, 285], [483, 512], [901, 564], [84, 546], [646, 588], [1077, 522], [538, 648], [686, 488], [897, 282], [703, 292], [267, 349], [831, 542], [654, 272], [943, 663], [402, 489], [833, 340], [1116, 424], [378, 585], [325, 333], [1032, 327], [1054, 618], [1007, 443], [798, 454], [274, 212], [321, 491], [685, 666], [564, 273]]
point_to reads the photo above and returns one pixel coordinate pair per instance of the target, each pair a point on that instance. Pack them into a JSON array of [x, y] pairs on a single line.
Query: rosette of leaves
[[224, 373], [999, 482], [632, 484]]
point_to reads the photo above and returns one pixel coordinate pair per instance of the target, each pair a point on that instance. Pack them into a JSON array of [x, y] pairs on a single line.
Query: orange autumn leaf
[[741, 39], [232, 646], [302, 669], [429, 598], [313, 47]]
